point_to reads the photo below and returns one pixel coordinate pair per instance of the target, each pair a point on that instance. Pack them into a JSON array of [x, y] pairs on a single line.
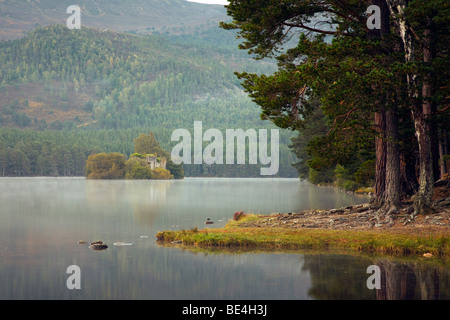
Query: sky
[[210, 1]]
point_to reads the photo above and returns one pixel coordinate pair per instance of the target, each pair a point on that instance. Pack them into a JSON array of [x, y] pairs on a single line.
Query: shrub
[[137, 168], [105, 166], [161, 174]]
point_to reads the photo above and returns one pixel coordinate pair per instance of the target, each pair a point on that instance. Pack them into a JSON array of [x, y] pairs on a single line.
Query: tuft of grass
[[248, 217]]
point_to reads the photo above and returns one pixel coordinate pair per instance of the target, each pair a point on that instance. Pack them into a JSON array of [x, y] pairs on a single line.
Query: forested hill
[[18, 17], [58, 78], [89, 79]]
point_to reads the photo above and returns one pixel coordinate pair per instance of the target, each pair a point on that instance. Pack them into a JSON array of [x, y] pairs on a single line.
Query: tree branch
[[445, 109], [301, 25], [346, 115], [294, 110]]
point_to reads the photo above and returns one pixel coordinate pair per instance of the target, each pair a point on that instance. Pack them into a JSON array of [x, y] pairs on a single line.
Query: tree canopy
[[365, 81]]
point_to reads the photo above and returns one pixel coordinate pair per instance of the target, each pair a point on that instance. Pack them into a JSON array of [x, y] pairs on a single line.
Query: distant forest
[[65, 94]]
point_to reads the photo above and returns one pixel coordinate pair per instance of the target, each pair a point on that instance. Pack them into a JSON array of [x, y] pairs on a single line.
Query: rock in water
[[82, 242], [98, 246], [122, 244]]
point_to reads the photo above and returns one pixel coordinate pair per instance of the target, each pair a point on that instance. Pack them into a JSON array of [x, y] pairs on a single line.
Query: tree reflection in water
[[412, 281], [338, 277]]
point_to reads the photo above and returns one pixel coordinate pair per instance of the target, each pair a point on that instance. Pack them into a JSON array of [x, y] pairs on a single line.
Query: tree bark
[[408, 154], [422, 114], [423, 119], [393, 189], [380, 152], [387, 180], [408, 172], [422, 202], [380, 128], [442, 162]]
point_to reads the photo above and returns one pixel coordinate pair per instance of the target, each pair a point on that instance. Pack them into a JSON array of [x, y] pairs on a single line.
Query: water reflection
[[144, 198], [334, 277], [42, 220], [412, 280]]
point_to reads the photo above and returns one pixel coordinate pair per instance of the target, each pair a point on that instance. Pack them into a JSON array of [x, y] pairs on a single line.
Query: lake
[[42, 220]]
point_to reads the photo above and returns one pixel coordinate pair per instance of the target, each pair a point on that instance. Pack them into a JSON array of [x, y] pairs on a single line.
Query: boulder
[[98, 245]]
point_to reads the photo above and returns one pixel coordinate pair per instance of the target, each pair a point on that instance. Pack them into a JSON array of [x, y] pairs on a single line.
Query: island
[[148, 162]]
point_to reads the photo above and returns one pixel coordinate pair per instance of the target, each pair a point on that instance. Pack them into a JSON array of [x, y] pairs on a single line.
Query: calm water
[[42, 220]]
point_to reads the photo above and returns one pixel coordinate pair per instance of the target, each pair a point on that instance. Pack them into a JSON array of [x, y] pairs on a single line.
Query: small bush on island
[[137, 168], [161, 174], [105, 166]]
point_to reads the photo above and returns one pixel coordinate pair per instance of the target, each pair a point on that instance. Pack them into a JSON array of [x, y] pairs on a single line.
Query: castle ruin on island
[[155, 162]]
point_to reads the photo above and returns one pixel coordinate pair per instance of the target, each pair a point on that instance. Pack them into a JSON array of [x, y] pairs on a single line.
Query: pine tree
[[355, 71]]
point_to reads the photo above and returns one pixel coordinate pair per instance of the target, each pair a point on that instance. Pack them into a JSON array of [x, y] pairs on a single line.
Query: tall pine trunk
[[380, 153], [387, 168], [422, 203], [422, 112], [393, 175], [423, 121]]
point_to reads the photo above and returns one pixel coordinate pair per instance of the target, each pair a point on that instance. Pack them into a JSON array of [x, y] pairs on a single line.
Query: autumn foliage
[[105, 166]]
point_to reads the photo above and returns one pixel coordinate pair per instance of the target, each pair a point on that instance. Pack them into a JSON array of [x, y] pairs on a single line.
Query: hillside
[[57, 78], [91, 79], [17, 17]]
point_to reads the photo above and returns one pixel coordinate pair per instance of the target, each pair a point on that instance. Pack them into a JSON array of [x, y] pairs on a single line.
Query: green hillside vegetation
[[82, 81], [57, 78]]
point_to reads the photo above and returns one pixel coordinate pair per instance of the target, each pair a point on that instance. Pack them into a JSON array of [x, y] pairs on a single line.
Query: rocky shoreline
[[363, 216], [356, 217]]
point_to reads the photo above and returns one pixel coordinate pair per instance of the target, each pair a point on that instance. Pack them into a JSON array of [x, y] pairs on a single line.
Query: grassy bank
[[383, 241]]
